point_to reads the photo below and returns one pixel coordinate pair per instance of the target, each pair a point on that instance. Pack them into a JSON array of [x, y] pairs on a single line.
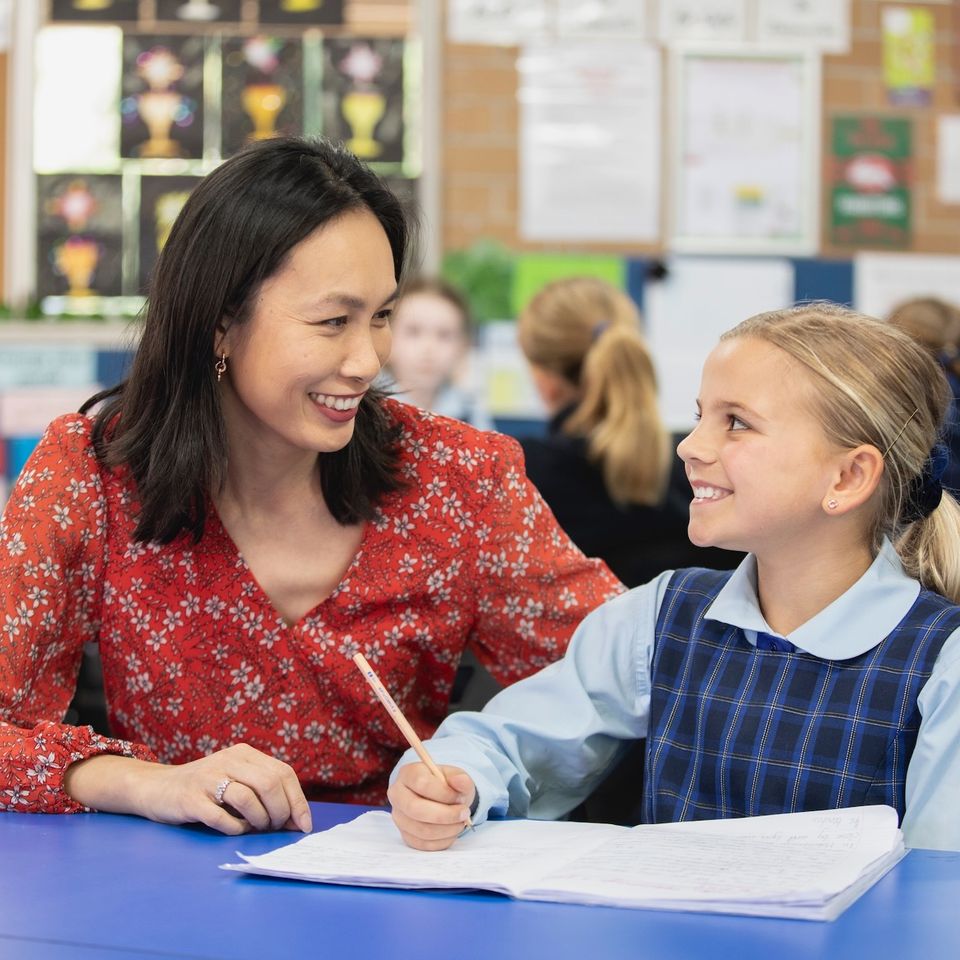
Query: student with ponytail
[[607, 466], [824, 672]]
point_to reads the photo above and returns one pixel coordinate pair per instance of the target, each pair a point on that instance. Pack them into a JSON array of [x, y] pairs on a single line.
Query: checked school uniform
[[860, 705]]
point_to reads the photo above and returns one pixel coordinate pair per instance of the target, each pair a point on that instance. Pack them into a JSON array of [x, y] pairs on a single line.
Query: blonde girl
[[824, 672]]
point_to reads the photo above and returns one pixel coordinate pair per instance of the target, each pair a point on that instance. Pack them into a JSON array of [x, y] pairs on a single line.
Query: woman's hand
[[256, 791], [430, 814]]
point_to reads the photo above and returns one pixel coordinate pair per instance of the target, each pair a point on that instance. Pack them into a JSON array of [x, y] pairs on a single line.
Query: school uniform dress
[[637, 542], [194, 656], [860, 705]]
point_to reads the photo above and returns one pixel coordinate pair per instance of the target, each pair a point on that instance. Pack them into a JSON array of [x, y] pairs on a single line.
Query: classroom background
[[714, 158]]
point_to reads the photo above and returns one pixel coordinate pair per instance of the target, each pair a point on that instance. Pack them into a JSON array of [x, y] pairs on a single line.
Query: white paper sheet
[[682, 20], [820, 24], [590, 141], [496, 22], [685, 314], [948, 158], [883, 280]]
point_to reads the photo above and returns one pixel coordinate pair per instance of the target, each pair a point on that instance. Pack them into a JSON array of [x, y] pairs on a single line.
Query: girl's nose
[[693, 446]]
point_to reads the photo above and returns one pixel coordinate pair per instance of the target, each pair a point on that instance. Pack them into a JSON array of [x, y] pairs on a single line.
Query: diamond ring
[[221, 790]]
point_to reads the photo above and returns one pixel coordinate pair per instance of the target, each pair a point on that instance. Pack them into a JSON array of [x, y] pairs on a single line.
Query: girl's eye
[[736, 423], [696, 417]]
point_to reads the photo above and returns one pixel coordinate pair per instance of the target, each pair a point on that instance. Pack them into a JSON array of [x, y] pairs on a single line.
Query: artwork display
[[162, 101], [363, 96], [161, 200], [79, 232], [305, 12], [262, 90], [103, 11], [200, 11]]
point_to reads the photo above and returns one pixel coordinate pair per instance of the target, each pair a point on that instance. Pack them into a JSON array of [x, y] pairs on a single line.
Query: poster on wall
[[103, 11], [199, 11], [79, 232], [870, 204], [585, 174], [161, 200], [161, 106], [698, 20], [908, 55], [745, 147], [262, 90], [363, 96], [823, 24], [602, 18], [303, 12]]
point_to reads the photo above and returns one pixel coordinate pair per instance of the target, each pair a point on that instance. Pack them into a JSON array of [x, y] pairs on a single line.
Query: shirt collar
[[850, 626]]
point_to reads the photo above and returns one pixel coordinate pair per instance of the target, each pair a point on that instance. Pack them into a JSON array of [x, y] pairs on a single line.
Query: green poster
[[534, 270], [870, 181]]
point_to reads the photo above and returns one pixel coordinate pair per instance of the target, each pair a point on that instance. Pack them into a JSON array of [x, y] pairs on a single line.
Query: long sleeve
[[933, 777], [539, 747], [51, 572], [533, 585]]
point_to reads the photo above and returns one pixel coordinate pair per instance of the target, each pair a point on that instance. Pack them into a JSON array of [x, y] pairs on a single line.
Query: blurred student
[[935, 324], [607, 467], [824, 672], [429, 360]]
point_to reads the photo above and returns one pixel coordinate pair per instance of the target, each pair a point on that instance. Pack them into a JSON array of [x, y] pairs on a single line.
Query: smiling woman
[[246, 512]]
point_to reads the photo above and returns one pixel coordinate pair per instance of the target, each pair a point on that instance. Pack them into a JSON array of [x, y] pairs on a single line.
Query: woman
[[607, 467], [245, 512]]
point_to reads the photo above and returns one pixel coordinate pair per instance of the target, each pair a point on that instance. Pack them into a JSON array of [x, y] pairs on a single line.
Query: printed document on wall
[[821, 24], [883, 280], [496, 22], [686, 312], [948, 158], [589, 141]]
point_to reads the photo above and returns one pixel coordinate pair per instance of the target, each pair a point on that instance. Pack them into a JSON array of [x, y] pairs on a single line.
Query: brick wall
[[480, 117]]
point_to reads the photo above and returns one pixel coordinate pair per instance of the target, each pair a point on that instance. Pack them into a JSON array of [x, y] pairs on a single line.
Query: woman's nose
[[365, 355]]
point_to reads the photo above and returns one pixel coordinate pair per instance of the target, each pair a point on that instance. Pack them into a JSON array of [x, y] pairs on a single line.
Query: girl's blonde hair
[[588, 332], [876, 385]]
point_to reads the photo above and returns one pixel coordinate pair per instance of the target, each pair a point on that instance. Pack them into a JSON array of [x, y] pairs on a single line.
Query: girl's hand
[[430, 814], [258, 792]]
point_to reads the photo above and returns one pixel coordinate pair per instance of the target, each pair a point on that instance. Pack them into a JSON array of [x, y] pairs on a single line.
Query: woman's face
[[429, 341], [318, 334]]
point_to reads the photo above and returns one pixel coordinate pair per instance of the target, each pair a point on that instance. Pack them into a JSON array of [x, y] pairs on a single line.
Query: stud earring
[[833, 504], [221, 366]]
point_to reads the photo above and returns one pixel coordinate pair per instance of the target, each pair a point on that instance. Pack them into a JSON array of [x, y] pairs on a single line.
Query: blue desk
[[98, 885]]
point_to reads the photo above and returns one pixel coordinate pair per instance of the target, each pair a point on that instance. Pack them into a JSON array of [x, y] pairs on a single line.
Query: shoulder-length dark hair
[[236, 229]]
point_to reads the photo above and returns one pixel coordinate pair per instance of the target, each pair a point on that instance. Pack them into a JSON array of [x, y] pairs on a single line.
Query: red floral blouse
[[194, 656]]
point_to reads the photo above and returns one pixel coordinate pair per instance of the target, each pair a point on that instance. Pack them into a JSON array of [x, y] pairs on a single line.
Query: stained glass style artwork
[[101, 11], [262, 90], [199, 11], [161, 108], [79, 225], [161, 200], [363, 96], [306, 12]]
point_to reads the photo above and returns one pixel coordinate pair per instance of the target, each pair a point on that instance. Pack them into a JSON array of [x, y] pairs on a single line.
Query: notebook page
[[804, 858], [504, 856]]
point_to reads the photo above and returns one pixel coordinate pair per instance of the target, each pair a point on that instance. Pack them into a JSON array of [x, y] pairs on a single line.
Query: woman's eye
[[382, 317], [334, 322]]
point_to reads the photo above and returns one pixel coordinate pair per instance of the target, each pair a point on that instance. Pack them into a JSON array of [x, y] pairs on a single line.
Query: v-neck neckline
[[265, 597]]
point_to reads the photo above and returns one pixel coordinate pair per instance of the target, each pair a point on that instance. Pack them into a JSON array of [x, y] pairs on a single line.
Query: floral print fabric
[[195, 658]]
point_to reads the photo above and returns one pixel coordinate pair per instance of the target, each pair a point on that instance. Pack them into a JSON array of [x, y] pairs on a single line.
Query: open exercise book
[[806, 865]]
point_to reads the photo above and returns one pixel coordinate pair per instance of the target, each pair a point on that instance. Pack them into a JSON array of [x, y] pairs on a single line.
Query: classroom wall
[[480, 118]]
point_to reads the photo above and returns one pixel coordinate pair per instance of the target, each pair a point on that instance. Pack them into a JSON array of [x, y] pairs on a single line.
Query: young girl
[[431, 345], [606, 467], [823, 672]]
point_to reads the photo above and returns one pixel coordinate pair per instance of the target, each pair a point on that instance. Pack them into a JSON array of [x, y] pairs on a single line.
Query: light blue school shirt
[[542, 745]]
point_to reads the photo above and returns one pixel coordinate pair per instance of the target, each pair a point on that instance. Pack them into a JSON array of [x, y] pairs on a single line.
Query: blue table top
[[101, 885]]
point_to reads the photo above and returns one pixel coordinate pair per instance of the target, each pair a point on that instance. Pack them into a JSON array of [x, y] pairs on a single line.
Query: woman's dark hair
[[236, 229]]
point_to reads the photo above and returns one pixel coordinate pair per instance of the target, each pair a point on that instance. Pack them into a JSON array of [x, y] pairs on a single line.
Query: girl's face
[[758, 460], [429, 341], [318, 334]]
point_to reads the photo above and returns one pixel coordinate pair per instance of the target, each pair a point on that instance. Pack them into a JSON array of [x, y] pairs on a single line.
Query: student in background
[[432, 336], [607, 467], [936, 324], [823, 672], [245, 512]]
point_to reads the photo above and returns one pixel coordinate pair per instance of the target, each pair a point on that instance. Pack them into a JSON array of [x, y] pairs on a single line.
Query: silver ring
[[221, 790]]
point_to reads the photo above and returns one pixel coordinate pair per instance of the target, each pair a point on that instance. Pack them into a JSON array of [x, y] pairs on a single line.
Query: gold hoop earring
[[221, 366]]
